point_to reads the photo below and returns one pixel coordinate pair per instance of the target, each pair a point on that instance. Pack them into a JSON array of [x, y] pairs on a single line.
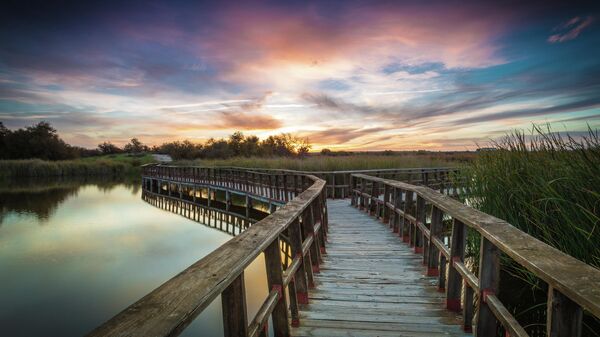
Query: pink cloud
[[250, 41], [570, 29]]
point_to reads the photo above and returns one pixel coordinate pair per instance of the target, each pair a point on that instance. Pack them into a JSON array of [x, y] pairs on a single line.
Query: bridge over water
[[370, 253]]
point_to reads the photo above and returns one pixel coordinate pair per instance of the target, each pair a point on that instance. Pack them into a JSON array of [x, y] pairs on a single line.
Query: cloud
[[334, 136], [247, 121], [346, 69], [592, 102], [570, 29], [234, 114]]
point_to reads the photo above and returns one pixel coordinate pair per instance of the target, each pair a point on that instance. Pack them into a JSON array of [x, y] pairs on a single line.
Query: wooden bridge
[[389, 261]]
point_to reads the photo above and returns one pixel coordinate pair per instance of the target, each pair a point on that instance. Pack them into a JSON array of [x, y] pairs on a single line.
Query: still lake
[[73, 253]]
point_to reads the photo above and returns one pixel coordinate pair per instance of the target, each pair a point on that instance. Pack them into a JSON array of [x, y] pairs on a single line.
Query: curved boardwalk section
[[372, 284]]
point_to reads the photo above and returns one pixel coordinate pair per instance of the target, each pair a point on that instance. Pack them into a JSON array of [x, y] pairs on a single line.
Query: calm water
[[73, 254]]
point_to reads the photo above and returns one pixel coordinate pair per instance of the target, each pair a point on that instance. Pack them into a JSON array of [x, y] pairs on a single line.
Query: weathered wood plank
[[372, 284], [564, 316], [233, 303], [334, 332]]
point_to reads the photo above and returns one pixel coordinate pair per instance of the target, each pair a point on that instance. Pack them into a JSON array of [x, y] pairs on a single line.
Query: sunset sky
[[358, 75]]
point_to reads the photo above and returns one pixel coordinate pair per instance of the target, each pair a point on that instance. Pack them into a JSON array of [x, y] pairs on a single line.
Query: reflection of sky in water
[[98, 252]]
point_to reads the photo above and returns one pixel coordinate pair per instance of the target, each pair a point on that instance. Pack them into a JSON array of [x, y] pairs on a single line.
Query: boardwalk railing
[[338, 182], [418, 213], [301, 218]]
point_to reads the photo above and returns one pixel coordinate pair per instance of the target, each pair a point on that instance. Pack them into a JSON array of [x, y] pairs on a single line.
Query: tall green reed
[[546, 184]]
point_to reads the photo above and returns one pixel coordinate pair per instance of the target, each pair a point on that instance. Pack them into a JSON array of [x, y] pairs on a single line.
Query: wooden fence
[[418, 215], [338, 182], [300, 217]]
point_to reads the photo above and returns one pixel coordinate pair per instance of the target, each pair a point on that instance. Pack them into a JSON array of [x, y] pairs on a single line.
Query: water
[[75, 253]]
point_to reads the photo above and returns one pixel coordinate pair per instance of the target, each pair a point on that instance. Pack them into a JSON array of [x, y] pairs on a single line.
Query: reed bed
[[343, 162], [548, 185], [98, 166]]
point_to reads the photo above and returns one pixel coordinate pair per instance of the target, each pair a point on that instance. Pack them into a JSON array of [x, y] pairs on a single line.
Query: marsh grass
[[548, 185], [317, 162], [92, 166]]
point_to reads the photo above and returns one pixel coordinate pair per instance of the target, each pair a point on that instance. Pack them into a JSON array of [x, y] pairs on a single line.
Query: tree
[[251, 146], [135, 146], [4, 133], [326, 152], [217, 149], [109, 148], [235, 143], [302, 146], [42, 141], [181, 150]]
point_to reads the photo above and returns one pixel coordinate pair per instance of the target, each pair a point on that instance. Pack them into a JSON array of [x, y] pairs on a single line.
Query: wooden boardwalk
[[367, 283], [372, 284]]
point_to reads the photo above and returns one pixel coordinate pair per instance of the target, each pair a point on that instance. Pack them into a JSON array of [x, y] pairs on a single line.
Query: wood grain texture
[[372, 284]]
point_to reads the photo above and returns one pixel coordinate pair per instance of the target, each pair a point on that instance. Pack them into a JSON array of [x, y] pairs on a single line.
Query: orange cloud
[[251, 42], [247, 121]]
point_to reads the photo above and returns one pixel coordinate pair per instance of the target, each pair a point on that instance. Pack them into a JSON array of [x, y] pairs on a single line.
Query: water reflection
[[41, 197], [74, 253]]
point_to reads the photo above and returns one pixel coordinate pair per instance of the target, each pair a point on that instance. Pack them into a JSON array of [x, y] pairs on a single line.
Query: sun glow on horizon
[[347, 76]]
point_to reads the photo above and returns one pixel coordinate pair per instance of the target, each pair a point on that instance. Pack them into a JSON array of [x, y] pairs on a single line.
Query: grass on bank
[[344, 162], [547, 185], [122, 164], [118, 164]]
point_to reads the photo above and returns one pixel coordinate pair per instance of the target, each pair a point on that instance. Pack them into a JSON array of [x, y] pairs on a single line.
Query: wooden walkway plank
[[372, 284]]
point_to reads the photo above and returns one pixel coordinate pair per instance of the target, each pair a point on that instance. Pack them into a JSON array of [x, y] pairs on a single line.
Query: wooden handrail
[[338, 182], [167, 310], [573, 285]]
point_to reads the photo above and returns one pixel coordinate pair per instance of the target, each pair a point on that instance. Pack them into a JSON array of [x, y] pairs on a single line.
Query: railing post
[[208, 190], [362, 191], [395, 217], [324, 214], [227, 200], [309, 257], [489, 277], [293, 295], [406, 228], [333, 195], [434, 231], [346, 182], [248, 207], [467, 312], [286, 196], [352, 188], [564, 316], [233, 302], [315, 249], [300, 276], [373, 199], [421, 217], [275, 282], [457, 254], [317, 207], [386, 199]]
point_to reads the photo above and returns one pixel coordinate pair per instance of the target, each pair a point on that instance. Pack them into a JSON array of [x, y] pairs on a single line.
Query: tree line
[[42, 141]]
